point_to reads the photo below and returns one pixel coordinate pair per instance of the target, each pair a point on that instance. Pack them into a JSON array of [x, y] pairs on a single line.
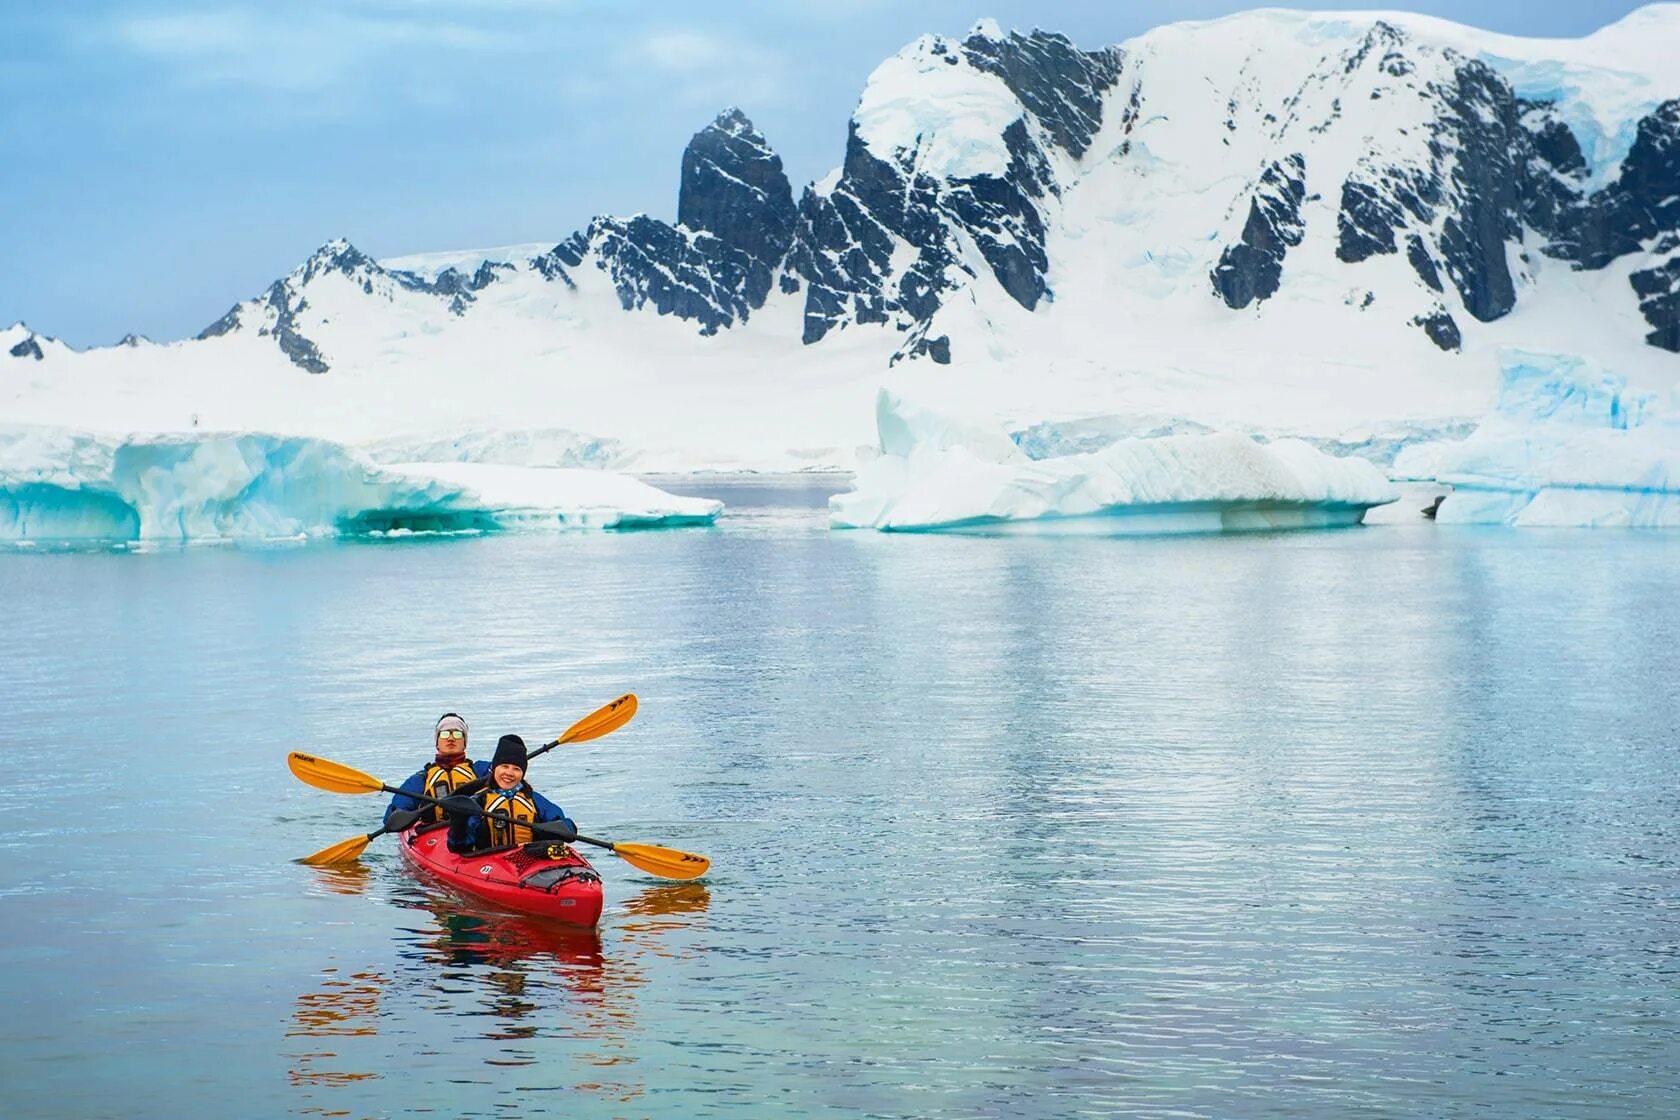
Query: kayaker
[[449, 770], [507, 792]]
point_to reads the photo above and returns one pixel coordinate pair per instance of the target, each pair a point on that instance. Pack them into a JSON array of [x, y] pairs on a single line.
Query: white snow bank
[[927, 108], [536, 447], [465, 261], [1566, 443], [58, 484], [934, 474]]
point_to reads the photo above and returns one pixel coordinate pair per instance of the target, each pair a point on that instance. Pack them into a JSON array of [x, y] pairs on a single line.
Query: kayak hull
[[548, 880]]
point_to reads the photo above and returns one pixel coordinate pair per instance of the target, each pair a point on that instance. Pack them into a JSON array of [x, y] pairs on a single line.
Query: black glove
[[561, 829], [459, 805]]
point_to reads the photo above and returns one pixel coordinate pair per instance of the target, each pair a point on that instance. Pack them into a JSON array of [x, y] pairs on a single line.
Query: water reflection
[[536, 985], [343, 1007], [343, 878], [535, 994], [668, 899]]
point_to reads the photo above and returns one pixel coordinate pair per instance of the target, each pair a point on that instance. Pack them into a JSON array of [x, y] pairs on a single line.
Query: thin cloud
[[705, 68], [286, 49]]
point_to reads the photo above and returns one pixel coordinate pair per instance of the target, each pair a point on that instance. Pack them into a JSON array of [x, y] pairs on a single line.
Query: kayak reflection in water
[[509, 794]]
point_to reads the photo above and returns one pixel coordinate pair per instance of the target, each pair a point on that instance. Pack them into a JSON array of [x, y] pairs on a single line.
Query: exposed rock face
[[1658, 289], [1449, 192], [883, 200], [1638, 212], [736, 224], [1252, 269], [27, 348], [734, 188], [277, 312]]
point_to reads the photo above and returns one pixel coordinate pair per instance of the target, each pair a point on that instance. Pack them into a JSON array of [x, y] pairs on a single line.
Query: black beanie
[[510, 751]]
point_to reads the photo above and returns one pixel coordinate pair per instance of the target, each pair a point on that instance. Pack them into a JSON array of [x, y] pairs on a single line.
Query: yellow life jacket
[[441, 781], [516, 803]]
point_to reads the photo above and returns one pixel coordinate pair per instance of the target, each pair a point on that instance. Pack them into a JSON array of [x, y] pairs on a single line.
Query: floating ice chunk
[[564, 497], [1566, 444], [57, 485], [960, 478]]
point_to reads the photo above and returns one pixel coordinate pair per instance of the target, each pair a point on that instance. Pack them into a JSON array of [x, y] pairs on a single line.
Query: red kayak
[[549, 880]]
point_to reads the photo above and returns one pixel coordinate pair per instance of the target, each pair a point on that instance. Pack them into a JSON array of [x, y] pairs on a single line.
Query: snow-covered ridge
[[64, 485], [936, 473], [464, 261]]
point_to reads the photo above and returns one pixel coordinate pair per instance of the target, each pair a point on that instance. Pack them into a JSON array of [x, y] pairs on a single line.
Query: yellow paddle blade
[[334, 777], [667, 863], [597, 723], [345, 851]]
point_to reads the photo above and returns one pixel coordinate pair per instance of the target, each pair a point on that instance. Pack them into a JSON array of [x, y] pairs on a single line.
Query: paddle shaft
[[400, 820]]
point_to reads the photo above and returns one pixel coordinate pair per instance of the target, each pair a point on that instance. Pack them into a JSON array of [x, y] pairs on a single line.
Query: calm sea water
[[1373, 823]]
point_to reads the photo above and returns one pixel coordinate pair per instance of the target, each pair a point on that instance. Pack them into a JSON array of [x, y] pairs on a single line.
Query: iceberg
[[62, 485], [1566, 443], [936, 473]]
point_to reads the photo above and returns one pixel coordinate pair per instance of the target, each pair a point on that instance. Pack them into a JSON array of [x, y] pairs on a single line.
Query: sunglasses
[[452, 735]]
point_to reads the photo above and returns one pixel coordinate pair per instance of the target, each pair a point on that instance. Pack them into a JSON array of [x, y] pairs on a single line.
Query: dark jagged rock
[[1554, 144], [694, 277], [918, 345], [882, 199], [1484, 190], [1366, 222], [1658, 289], [279, 307], [1252, 269], [736, 227], [337, 256], [1441, 329], [28, 348], [1642, 203], [1470, 187], [1422, 263], [1061, 85], [734, 188], [285, 304], [568, 254], [486, 274], [851, 234], [226, 323]]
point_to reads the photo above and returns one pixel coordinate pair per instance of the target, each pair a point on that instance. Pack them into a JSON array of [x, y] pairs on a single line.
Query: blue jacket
[[468, 833], [416, 784]]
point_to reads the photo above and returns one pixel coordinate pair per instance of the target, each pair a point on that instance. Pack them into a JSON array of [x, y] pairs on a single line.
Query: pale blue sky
[[159, 161]]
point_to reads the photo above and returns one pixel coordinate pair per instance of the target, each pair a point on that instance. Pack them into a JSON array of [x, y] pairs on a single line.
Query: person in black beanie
[[508, 793]]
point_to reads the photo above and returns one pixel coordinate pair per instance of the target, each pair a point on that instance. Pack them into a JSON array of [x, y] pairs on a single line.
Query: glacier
[[940, 472], [1566, 443], [63, 485]]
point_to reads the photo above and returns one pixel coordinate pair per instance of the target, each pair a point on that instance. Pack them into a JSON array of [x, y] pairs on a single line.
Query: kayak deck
[[549, 880]]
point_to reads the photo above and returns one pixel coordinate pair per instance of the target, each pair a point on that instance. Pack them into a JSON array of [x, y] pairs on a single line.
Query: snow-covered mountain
[[1319, 224]]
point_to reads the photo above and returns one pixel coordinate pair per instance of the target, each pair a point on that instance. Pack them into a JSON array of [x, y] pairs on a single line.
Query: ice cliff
[[63, 485], [1566, 443], [939, 473]]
